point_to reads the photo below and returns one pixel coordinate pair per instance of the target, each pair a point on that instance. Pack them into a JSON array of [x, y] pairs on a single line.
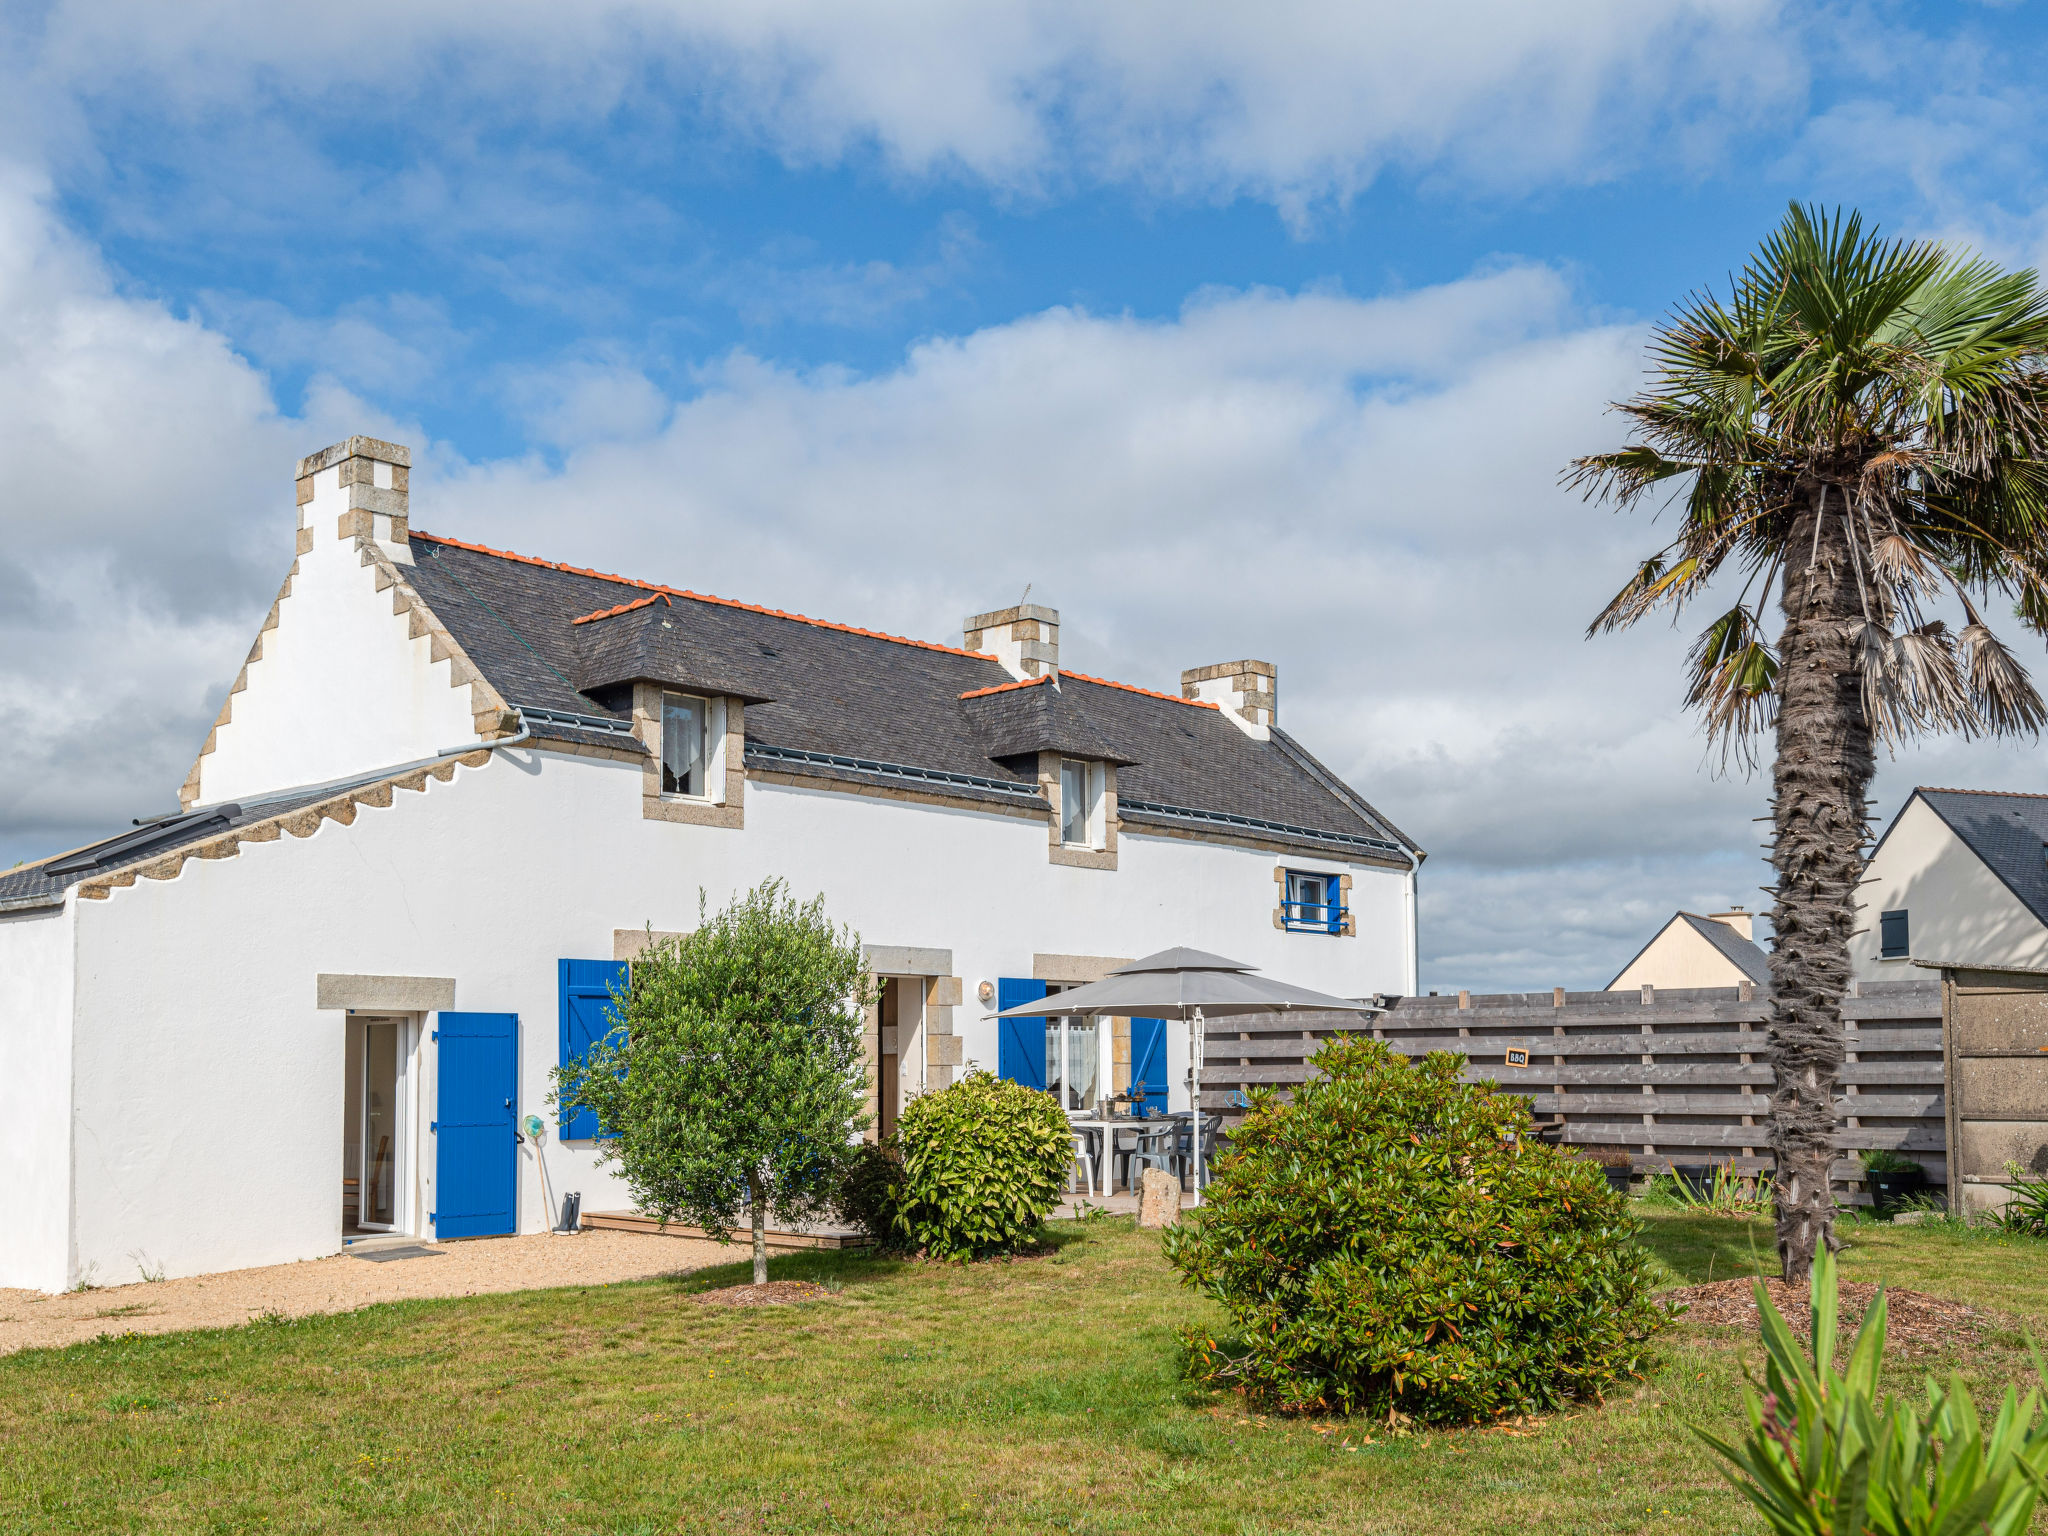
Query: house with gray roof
[[1959, 878], [1718, 950], [452, 792]]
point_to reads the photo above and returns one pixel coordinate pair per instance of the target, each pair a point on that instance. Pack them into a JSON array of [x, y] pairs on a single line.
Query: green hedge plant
[[1395, 1241], [1825, 1455], [983, 1161]]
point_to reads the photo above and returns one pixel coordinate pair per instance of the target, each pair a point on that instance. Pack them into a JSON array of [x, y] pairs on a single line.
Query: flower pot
[[1889, 1191], [1618, 1178]]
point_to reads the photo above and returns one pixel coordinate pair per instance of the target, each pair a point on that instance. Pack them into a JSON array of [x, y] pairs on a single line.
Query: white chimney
[[1025, 639], [357, 489], [1738, 919], [1248, 692]]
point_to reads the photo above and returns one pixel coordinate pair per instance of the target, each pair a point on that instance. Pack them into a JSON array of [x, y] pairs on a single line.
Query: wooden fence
[[1673, 1076]]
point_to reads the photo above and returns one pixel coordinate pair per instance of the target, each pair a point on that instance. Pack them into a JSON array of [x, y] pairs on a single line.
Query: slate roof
[[1747, 955], [44, 884], [823, 701], [834, 701], [2009, 832]]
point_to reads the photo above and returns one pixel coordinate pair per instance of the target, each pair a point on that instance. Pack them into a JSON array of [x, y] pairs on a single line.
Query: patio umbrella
[[1185, 984]]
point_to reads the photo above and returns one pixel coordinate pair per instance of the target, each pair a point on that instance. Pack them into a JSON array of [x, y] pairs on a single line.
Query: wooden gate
[[1995, 1025]]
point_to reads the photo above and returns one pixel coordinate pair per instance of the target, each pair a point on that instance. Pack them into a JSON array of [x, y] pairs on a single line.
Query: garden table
[[1104, 1129]]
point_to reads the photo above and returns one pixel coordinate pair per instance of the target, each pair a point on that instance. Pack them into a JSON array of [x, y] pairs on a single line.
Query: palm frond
[[2000, 689]]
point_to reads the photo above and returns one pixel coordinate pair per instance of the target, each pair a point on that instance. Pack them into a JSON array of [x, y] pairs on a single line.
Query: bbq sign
[[1517, 1056]]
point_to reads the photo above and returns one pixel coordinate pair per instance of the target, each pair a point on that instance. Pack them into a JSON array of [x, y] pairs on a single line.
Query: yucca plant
[[1861, 429], [1826, 1455]]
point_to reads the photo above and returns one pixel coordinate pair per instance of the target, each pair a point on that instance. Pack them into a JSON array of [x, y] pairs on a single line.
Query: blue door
[[585, 989], [1020, 1043], [476, 1139], [1148, 1062]]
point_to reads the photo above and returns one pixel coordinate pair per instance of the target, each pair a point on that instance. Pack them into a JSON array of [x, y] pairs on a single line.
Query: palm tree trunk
[[1819, 814], [757, 1210]]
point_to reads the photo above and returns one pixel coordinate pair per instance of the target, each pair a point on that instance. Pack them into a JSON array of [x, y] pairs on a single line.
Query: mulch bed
[[1915, 1322], [775, 1293]]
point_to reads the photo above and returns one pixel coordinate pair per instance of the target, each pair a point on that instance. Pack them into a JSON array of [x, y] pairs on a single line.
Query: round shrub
[[983, 1161], [1396, 1242]]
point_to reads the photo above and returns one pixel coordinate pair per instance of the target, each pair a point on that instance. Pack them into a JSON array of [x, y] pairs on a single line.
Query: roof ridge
[[977, 693], [2003, 794], [1150, 693], [655, 589]]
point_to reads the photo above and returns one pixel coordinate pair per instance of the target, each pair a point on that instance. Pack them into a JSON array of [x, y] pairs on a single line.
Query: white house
[[452, 790], [1718, 950], [1960, 877]]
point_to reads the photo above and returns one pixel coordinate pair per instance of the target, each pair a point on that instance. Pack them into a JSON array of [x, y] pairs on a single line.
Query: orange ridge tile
[[608, 613], [1027, 682], [655, 590], [1150, 693], [698, 597]]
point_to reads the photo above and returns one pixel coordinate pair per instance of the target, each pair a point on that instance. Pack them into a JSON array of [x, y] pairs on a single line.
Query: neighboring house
[[1693, 951], [453, 789], [1960, 877]]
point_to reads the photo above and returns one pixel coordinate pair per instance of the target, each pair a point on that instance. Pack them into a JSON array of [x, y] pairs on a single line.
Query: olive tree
[[734, 1082]]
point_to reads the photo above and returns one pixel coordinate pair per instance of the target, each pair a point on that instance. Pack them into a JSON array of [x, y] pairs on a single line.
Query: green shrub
[[983, 1161], [1396, 1242], [1884, 1160], [869, 1190], [1825, 1454]]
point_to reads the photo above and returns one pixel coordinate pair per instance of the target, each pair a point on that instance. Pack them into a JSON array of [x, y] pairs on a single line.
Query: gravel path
[[30, 1319]]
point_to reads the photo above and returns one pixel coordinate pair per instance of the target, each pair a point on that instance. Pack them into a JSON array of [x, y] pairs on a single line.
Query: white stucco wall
[[209, 1085], [1960, 912], [35, 1099], [340, 688]]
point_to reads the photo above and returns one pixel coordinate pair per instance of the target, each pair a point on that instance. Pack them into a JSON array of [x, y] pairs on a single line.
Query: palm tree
[[1863, 426]]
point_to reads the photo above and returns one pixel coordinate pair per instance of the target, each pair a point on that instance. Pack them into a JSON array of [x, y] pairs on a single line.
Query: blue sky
[[932, 301]]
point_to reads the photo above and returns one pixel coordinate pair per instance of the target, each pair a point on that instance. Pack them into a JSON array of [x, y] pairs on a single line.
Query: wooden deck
[[778, 1237]]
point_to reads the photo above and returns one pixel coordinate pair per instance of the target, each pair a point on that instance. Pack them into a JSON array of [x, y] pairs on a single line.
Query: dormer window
[[1080, 803], [685, 745]]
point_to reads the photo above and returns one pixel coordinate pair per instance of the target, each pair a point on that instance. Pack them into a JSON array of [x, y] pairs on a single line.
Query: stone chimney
[[1247, 691], [1738, 919], [1025, 639], [356, 489]]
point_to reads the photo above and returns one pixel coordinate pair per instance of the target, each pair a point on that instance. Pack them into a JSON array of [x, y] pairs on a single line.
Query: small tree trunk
[[757, 1202], [1819, 813]]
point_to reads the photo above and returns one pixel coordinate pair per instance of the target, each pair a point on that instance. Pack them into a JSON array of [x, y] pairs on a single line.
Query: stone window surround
[[1280, 873], [1062, 853], [726, 807]]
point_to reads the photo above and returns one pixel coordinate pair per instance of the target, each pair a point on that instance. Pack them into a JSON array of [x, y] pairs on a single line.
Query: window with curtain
[[1077, 808], [685, 745], [1073, 1060]]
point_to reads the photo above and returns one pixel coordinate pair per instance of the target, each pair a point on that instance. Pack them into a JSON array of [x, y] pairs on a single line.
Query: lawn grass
[[1039, 1395]]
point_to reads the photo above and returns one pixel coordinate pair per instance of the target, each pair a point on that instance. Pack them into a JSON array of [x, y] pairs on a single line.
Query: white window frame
[[713, 744], [1092, 776]]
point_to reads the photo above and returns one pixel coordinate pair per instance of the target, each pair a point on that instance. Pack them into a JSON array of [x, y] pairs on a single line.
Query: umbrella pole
[[1198, 1029]]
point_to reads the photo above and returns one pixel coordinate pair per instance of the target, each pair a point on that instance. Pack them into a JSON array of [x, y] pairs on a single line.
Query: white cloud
[[1361, 490], [1293, 100]]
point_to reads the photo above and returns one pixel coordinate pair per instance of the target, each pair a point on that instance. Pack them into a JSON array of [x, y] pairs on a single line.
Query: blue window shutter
[[1333, 896], [1148, 1062], [1894, 940], [1020, 1043], [587, 1016]]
